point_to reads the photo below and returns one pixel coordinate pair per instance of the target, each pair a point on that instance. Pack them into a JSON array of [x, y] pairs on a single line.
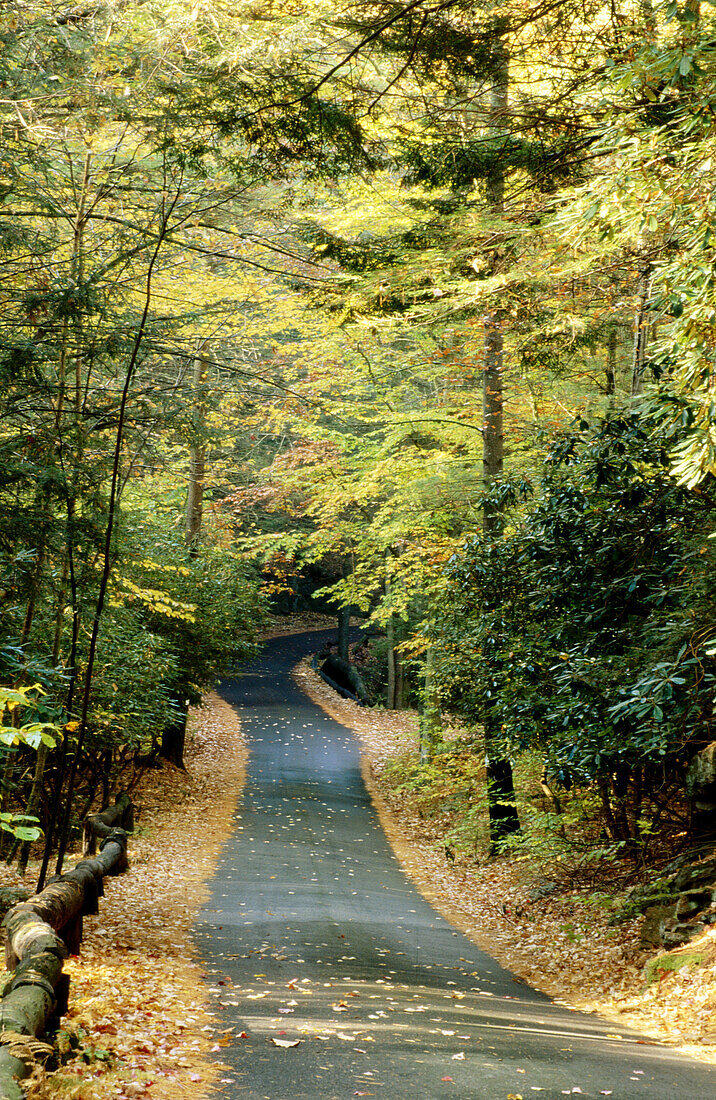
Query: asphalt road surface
[[335, 979]]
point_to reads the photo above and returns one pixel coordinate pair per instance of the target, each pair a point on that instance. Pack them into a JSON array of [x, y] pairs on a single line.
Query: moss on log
[[40, 933], [99, 826]]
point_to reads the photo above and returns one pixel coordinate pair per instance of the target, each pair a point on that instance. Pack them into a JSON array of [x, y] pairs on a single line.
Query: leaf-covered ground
[[563, 943], [139, 1024]]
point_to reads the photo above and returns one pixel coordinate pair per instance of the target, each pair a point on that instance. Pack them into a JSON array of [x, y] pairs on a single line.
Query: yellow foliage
[[155, 599]]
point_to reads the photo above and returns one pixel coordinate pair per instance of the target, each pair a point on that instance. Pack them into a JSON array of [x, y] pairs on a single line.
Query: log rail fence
[[41, 932]]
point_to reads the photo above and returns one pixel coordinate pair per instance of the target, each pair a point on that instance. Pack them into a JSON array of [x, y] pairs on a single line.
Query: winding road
[[334, 978]]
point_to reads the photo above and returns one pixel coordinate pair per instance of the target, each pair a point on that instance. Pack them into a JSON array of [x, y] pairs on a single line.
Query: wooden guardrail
[[41, 933]]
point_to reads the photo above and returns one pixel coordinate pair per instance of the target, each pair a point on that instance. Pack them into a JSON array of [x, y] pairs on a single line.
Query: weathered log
[[12, 1071], [40, 933], [35, 952], [344, 678], [98, 826]]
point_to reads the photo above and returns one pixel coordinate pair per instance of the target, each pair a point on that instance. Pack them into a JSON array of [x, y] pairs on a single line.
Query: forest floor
[[140, 1023]]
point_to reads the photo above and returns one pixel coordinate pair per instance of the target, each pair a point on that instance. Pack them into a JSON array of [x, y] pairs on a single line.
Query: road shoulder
[[140, 1022]]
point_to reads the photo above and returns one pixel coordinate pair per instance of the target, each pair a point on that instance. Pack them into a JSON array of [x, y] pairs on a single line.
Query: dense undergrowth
[[562, 923], [562, 841]]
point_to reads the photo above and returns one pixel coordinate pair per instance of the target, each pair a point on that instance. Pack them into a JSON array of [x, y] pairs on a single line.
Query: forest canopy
[[400, 308]]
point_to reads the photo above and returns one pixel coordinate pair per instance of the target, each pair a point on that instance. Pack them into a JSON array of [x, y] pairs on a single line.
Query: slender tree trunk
[[69, 474], [390, 689], [390, 641], [107, 560], [174, 733], [33, 805], [42, 501], [493, 445], [611, 372], [401, 680], [60, 612], [197, 456], [344, 622], [430, 718], [642, 322], [492, 421], [397, 685], [502, 809]]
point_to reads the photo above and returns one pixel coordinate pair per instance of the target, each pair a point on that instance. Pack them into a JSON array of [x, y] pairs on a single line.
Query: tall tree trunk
[[396, 690], [197, 456], [60, 611], [641, 332], [502, 809], [33, 805], [168, 205], [401, 679], [174, 733], [70, 466], [392, 659], [391, 656], [430, 718], [42, 502], [611, 372], [492, 421], [344, 622]]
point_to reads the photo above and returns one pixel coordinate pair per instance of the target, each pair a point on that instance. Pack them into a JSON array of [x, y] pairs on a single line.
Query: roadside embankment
[[139, 1024], [562, 943]]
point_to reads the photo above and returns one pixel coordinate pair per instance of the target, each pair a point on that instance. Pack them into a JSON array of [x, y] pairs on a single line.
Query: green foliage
[[587, 619], [649, 204], [460, 165], [657, 969], [447, 791], [18, 701], [343, 431], [21, 826]]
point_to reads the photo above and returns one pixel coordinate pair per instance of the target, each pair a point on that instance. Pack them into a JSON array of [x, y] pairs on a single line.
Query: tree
[[117, 183], [591, 618]]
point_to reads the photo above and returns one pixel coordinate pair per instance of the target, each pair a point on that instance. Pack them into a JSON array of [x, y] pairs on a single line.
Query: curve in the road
[[335, 978]]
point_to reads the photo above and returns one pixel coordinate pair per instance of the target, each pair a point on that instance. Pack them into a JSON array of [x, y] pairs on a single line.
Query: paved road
[[313, 934]]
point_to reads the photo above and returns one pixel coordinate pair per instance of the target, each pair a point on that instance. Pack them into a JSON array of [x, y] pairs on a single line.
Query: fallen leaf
[[286, 1042]]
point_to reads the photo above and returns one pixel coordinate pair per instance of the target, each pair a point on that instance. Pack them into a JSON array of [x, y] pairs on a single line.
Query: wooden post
[[100, 825]]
